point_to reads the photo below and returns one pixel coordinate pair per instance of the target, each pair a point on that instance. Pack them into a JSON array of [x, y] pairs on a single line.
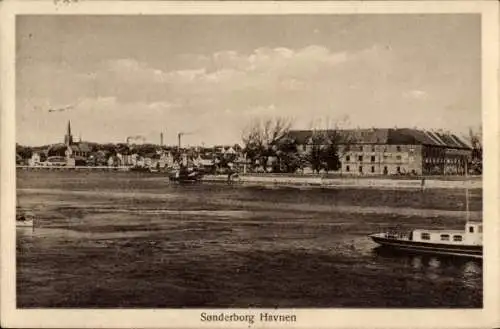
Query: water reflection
[[472, 273], [432, 260], [416, 262], [433, 267], [25, 231]]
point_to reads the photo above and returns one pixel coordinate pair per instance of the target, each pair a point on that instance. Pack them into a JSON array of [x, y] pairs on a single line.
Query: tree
[[287, 154], [324, 151], [261, 137], [330, 157], [145, 149], [316, 153], [475, 138], [332, 153], [108, 149], [24, 151], [123, 148]]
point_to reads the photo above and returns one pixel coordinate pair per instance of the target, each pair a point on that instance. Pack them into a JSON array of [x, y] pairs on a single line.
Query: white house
[[34, 160], [111, 161]]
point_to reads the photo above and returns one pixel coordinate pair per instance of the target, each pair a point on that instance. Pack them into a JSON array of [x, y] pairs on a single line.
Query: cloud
[[225, 85], [112, 108], [263, 111], [279, 60], [254, 78], [230, 66], [415, 94], [182, 76], [227, 88]]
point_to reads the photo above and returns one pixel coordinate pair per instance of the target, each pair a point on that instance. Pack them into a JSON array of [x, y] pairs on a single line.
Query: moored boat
[[467, 243], [140, 169], [25, 219], [186, 175]]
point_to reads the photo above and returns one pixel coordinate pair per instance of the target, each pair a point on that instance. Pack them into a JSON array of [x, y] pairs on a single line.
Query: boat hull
[[24, 223], [192, 177], [430, 248], [184, 180]]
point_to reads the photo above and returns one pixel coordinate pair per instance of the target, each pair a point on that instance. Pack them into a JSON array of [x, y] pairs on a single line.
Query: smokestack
[[161, 139]]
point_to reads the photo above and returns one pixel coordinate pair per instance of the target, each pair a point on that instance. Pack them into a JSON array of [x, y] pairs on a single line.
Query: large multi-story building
[[394, 151]]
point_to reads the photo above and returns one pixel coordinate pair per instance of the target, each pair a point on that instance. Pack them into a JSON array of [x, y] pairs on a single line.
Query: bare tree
[[475, 138], [476, 141], [262, 136]]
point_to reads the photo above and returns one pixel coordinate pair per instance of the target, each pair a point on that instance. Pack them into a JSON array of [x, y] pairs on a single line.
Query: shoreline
[[306, 181], [350, 182]]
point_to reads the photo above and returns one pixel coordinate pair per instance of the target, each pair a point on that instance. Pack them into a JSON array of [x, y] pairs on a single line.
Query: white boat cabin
[[472, 235]]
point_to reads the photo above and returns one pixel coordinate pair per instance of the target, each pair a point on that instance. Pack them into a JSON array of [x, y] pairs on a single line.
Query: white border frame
[[316, 318]]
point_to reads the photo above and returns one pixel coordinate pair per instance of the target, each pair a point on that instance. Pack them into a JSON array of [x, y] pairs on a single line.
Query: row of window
[[444, 237], [372, 148], [372, 158], [442, 160], [360, 148], [372, 169]]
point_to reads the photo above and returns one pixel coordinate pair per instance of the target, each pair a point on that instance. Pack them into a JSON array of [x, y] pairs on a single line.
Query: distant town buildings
[[134, 153], [374, 151]]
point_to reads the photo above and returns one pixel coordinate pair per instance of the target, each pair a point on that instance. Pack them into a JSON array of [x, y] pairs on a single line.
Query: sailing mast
[[467, 215]]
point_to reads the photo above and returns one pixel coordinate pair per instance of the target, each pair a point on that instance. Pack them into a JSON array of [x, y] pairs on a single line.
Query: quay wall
[[74, 168], [349, 182]]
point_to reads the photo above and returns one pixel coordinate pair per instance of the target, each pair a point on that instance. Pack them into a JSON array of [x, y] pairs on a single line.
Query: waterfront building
[[166, 160], [126, 159], [112, 161], [393, 151], [19, 160], [35, 160]]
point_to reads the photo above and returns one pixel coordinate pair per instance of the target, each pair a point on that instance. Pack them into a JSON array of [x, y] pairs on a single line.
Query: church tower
[[68, 138]]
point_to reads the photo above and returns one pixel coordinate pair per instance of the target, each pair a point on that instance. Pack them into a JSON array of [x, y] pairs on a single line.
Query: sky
[[212, 76]]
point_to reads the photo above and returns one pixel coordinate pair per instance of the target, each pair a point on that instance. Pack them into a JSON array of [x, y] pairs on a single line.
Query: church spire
[[68, 139]]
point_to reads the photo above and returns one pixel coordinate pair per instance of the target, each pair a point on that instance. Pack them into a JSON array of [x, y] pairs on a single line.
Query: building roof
[[84, 147], [402, 136], [80, 158], [205, 157], [80, 147]]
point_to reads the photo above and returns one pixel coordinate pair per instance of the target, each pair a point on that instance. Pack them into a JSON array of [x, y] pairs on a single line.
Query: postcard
[[249, 164]]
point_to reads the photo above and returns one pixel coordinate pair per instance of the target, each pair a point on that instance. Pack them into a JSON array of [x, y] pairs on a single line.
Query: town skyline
[[140, 140], [170, 74]]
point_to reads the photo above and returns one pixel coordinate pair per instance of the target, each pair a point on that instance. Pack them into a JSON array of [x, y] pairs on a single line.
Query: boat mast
[[467, 215]]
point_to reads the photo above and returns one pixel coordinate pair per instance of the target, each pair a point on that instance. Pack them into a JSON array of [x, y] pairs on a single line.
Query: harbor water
[[117, 239]]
